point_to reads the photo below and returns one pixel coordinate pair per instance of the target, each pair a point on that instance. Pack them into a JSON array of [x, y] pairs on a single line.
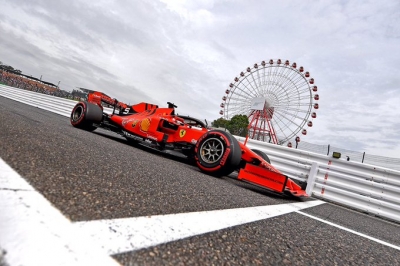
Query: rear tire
[[217, 153], [85, 114]]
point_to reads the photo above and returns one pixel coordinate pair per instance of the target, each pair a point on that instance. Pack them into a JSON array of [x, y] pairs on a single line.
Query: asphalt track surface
[[94, 176]]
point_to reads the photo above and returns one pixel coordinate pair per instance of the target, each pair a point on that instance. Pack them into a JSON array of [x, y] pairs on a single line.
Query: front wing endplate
[[263, 177]]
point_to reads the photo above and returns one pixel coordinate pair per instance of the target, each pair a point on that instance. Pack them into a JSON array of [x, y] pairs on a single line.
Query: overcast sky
[[188, 52]]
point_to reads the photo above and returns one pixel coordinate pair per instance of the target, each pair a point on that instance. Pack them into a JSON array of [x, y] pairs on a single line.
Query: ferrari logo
[[182, 133]]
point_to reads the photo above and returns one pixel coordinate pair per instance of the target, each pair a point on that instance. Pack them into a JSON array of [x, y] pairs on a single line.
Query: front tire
[[217, 153], [262, 155], [85, 114]]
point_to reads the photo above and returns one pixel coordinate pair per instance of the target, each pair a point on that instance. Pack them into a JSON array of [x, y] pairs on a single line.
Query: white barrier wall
[[365, 187], [368, 188]]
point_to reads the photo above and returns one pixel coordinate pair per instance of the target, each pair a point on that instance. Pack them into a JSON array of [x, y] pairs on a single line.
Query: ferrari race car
[[215, 152]]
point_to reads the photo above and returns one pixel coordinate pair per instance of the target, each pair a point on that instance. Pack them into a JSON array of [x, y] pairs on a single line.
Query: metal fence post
[[311, 178]]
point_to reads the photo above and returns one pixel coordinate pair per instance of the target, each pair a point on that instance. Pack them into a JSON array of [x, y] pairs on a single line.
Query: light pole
[[297, 141]]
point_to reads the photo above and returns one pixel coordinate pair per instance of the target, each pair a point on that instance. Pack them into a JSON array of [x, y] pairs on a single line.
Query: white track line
[[349, 230], [33, 232], [129, 234]]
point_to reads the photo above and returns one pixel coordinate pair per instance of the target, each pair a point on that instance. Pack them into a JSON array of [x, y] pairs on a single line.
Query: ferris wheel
[[279, 99]]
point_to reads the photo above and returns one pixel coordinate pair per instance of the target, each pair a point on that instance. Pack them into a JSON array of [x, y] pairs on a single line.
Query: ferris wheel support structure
[[260, 126]]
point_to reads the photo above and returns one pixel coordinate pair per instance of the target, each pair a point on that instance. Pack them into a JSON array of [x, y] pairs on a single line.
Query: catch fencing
[[355, 156], [369, 188]]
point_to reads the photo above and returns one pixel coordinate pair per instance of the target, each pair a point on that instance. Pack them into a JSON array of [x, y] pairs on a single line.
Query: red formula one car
[[215, 152]]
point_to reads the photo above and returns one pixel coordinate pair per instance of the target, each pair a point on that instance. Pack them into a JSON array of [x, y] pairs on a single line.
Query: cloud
[[188, 52]]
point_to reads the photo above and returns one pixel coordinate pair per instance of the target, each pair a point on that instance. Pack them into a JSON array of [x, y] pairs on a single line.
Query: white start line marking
[[33, 232], [129, 234]]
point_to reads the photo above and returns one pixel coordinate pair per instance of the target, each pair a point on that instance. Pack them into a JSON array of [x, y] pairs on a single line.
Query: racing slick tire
[[217, 153], [262, 155], [85, 114]]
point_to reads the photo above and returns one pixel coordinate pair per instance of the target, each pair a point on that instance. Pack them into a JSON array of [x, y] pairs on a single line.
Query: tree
[[9, 68], [220, 122], [238, 125]]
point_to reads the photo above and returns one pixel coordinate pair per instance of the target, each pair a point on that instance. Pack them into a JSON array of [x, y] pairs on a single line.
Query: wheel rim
[[212, 150], [77, 113]]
